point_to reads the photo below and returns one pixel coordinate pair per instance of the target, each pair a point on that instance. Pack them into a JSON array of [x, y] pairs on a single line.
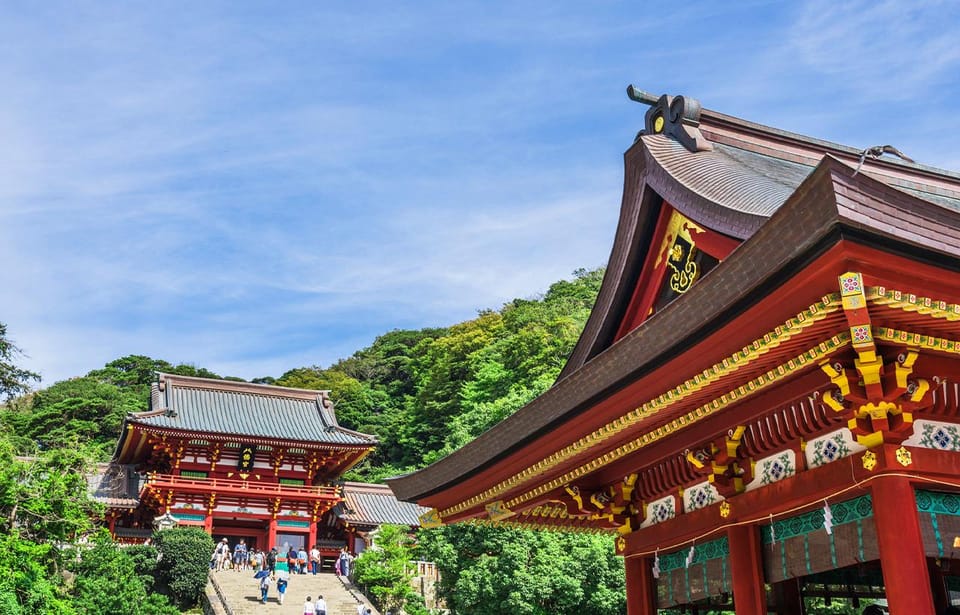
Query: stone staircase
[[241, 594]]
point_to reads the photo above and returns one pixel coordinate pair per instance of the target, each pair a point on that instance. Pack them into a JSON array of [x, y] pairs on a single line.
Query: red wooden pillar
[[641, 586], [208, 523], [312, 537], [746, 570], [905, 575], [272, 534]]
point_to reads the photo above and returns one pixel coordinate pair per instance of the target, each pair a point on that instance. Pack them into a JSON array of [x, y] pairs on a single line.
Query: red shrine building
[[240, 460], [763, 405]]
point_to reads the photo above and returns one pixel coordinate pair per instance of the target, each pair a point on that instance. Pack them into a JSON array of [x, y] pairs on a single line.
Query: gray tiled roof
[[738, 179], [366, 504], [226, 407], [114, 486]]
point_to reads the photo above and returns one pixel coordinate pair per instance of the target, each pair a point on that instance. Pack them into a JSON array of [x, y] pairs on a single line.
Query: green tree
[[385, 571], [506, 571], [13, 379], [29, 583], [89, 409], [84, 409], [184, 562], [108, 582], [45, 499]]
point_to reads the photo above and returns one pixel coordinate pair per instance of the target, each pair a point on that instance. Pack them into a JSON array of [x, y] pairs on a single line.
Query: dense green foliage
[[498, 571], [384, 572], [423, 394], [88, 410], [108, 581], [184, 562]]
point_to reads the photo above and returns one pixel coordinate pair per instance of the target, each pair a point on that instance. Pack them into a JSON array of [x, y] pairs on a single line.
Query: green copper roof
[[226, 407]]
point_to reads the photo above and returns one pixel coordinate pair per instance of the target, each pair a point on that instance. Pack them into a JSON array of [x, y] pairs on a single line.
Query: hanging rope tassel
[[656, 564], [827, 518], [773, 531], [690, 555]]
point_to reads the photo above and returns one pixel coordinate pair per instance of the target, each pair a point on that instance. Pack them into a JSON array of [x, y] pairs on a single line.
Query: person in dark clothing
[[272, 560]]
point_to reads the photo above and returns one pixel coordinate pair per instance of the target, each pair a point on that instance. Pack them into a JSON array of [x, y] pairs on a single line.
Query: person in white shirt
[[320, 606], [314, 559], [308, 607]]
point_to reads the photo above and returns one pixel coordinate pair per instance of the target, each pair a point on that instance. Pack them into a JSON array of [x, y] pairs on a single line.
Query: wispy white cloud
[[251, 189]]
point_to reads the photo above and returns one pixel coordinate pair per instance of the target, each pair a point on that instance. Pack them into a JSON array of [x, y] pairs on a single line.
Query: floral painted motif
[[777, 468], [936, 435], [660, 510], [773, 468], [831, 447], [851, 283], [700, 496]]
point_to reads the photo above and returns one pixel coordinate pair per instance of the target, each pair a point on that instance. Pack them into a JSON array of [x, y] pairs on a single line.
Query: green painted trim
[[938, 502], [715, 549], [183, 517], [293, 523], [807, 523]]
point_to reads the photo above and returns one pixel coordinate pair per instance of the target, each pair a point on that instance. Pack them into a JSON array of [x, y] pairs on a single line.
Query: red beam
[[840, 480], [238, 488]]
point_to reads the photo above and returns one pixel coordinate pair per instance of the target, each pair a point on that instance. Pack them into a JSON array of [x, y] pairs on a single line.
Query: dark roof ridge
[[740, 125], [373, 487], [214, 384]]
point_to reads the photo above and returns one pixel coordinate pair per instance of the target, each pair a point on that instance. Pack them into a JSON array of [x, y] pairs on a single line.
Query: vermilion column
[[746, 570], [312, 538], [905, 576], [208, 523], [272, 534], [641, 586]]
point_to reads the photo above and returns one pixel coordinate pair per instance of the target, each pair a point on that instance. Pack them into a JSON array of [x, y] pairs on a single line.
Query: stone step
[[242, 594]]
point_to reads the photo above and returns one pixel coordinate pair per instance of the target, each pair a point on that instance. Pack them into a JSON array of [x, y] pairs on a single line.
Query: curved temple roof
[[190, 404], [785, 196]]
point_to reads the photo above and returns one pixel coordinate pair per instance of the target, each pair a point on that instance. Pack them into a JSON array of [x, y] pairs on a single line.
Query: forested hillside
[[423, 394]]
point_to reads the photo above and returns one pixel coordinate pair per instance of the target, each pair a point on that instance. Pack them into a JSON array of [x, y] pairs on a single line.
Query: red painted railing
[[245, 487]]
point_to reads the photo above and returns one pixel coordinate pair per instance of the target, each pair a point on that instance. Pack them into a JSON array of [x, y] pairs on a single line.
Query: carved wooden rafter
[[725, 462], [612, 507], [877, 398]]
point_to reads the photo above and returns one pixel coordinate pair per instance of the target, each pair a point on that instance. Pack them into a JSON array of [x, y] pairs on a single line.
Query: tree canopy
[[423, 393], [13, 380]]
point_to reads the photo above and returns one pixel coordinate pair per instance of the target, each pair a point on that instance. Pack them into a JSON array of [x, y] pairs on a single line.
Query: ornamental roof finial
[[673, 116]]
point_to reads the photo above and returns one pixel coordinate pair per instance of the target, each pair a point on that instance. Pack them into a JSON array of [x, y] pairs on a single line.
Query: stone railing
[[214, 602]]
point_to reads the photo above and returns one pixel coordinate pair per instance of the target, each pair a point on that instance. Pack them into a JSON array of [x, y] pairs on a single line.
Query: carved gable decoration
[[674, 116], [685, 263]]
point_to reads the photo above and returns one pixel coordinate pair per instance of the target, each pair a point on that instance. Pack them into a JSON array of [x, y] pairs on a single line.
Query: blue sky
[[252, 187]]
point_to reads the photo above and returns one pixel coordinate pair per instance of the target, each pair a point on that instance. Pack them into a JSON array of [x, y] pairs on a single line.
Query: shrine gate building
[[763, 405], [240, 460]]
